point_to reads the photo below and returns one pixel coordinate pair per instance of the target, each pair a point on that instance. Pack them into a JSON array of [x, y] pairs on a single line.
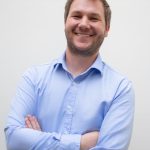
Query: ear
[[107, 30]]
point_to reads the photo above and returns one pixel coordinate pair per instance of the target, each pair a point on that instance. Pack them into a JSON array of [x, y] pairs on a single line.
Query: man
[[77, 102]]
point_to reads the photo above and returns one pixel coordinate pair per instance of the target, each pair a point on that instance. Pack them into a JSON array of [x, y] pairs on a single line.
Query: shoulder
[[121, 84], [116, 78], [113, 73], [40, 71]]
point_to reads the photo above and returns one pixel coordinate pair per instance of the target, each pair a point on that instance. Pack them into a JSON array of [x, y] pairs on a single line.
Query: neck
[[78, 64]]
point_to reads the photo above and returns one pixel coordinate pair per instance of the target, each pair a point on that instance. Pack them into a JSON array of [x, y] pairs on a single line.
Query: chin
[[83, 47]]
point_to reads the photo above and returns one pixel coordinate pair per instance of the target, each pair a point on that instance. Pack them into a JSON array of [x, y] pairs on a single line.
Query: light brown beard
[[90, 51]]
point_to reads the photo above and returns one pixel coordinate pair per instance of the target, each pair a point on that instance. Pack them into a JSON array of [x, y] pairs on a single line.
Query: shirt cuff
[[70, 141]]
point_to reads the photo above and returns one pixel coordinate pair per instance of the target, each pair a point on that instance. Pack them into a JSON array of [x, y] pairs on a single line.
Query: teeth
[[83, 34]]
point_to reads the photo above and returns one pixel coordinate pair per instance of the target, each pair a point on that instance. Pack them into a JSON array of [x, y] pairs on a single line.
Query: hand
[[32, 123], [89, 140]]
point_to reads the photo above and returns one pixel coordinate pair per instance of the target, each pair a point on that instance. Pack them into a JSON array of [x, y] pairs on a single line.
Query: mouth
[[84, 34]]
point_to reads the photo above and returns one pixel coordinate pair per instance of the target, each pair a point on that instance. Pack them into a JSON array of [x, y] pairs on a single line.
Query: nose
[[84, 23]]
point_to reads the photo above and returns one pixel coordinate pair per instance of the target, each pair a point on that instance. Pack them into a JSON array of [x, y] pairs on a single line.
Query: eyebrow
[[95, 14], [91, 14]]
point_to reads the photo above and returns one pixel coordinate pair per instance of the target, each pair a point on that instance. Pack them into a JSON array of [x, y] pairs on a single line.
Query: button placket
[[70, 98]]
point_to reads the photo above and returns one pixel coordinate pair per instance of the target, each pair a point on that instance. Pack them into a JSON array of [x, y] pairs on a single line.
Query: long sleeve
[[18, 137], [98, 100], [116, 129], [28, 139]]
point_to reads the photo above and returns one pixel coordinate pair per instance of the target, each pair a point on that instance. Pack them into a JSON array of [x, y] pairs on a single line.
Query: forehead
[[90, 6]]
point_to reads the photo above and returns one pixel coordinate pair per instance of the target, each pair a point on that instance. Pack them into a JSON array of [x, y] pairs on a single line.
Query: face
[[85, 27]]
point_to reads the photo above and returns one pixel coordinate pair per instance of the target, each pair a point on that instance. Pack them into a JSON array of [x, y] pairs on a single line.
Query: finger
[[27, 123], [33, 122], [37, 124]]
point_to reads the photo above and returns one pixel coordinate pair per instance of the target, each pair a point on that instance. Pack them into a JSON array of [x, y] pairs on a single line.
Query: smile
[[83, 34]]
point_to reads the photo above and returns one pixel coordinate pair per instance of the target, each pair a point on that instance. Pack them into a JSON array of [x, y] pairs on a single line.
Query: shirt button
[[69, 107], [65, 132]]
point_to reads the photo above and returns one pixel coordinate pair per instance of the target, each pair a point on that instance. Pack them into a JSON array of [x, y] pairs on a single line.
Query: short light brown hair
[[107, 11]]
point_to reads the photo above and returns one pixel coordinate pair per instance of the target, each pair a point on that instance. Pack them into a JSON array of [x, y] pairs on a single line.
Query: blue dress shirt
[[100, 99]]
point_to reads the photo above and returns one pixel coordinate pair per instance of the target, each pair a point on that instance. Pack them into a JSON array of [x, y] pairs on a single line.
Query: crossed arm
[[88, 140], [115, 131]]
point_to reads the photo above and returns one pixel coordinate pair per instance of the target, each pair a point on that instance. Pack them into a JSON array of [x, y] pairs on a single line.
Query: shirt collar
[[97, 65]]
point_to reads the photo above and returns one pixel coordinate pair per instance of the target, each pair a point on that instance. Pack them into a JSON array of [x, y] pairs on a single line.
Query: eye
[[76, 17], [94, 19]]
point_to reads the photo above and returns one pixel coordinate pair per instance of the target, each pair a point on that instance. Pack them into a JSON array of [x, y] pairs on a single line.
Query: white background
[[32, 32]]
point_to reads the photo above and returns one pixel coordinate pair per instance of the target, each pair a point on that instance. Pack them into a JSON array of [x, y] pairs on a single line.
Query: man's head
[[86, 25], [107, 11]]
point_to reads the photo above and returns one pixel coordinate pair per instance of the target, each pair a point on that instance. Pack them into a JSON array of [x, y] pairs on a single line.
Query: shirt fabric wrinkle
[[68, 107]]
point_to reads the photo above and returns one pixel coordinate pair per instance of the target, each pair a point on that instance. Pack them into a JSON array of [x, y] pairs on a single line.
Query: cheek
[[71, 24], [100, 28], [101, 32], [68, 28]]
